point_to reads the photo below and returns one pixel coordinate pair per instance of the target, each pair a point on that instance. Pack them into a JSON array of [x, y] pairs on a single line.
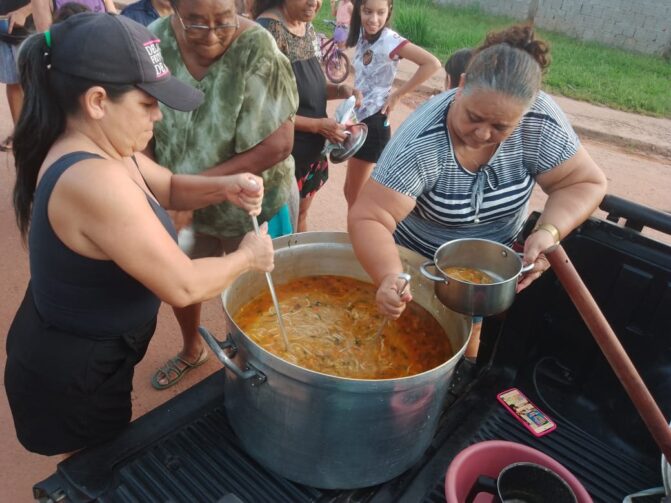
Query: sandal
[[6, 144], [172, 372]]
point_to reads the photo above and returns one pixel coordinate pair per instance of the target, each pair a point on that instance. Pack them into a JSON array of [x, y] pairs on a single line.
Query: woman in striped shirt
[[465, 162]]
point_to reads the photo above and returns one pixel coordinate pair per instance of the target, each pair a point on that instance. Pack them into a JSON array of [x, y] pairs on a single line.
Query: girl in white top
[[378, 51]]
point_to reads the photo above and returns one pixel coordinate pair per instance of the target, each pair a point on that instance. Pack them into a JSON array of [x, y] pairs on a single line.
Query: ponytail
[[41, 121], [50, 96]]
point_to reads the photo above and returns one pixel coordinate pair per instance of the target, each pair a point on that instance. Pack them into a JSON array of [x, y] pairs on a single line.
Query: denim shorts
[[8, 71]]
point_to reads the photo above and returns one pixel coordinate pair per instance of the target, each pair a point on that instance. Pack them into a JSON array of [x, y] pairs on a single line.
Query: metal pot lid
[[351, 145]]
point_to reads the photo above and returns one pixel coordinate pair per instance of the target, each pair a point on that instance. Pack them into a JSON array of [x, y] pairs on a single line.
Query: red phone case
[[527, 416]]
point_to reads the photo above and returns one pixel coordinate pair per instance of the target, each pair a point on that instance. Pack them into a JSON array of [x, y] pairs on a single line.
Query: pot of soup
[[475, 276], [342, 407]]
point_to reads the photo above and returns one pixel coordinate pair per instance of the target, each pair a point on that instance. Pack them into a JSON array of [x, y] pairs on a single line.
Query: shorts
[[340, 34], [379, 134], [67, 392], [311, 175], [9, 73]]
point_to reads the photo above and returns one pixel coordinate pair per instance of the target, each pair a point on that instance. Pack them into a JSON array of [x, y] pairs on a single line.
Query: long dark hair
[[509, 61], [260, 6], [355, 22], [49, 97]]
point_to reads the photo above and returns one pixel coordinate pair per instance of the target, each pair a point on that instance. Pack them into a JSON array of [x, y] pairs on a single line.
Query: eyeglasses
[[202, 31]]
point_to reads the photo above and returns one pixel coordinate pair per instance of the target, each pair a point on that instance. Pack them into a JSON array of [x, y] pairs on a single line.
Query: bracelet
[[554, 232]]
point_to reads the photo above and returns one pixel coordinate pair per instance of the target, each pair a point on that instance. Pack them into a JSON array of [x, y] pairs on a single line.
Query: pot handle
[[483, 484], [218, 349], [525, 268], [427, 274]]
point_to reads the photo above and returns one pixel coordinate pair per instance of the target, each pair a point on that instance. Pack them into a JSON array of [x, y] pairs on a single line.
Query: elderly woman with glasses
[[244, 124]]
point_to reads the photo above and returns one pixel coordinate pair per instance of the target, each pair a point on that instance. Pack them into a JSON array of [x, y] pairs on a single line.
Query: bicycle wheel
[[337, 67]]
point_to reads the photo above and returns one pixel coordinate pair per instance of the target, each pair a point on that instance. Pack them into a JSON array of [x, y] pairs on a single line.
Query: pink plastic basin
[[489, 458]]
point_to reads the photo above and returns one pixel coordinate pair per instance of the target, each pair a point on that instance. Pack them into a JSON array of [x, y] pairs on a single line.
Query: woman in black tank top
[[103, 251]]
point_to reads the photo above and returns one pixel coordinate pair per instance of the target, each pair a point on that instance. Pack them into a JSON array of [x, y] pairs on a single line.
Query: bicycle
[[335, 61]]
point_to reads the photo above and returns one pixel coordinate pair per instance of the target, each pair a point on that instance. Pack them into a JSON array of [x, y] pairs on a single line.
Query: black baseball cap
[[113, 49]]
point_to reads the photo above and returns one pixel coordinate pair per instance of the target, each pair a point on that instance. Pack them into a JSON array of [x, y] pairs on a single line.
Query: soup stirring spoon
[[269, 279], [405, 277]]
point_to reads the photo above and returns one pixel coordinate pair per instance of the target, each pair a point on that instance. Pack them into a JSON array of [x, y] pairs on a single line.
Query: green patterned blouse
[[249, 92]]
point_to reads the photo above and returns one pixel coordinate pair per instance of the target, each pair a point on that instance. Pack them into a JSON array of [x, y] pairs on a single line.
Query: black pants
[[66, 391]]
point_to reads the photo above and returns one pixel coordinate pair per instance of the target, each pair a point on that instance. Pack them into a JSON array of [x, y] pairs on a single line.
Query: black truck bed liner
[[186, 451]]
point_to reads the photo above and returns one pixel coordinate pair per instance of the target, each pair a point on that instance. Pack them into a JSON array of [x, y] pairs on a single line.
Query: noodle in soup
[[332, 324], [469, 275]]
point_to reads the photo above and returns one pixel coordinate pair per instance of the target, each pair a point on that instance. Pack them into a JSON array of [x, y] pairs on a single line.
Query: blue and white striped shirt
[[452, 202]]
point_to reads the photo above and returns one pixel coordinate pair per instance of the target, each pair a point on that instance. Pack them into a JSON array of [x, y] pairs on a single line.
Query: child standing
[[343, 14], [455, 66], [378, 51]]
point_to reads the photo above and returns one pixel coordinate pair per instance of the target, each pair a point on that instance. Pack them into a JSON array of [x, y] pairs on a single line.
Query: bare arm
[[371, 224], [264, 155], [328, 128], [118, 224], [18, 17], [334, 7], [427, 65], [109, 6], [191, 192], [342, 91], [42, 14], [575, 189]]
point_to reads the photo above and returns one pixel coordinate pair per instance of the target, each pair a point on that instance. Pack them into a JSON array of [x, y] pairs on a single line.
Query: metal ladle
[[276, 303], [405, 277]]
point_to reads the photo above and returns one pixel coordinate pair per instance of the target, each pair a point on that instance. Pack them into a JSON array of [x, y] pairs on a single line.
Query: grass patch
[[585, 71], [411, 19]]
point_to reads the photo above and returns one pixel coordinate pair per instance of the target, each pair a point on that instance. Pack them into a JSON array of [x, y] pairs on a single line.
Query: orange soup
[[469, 274], [332, 324]]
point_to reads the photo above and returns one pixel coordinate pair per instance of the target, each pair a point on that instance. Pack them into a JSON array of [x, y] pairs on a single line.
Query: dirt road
[[646, 180]]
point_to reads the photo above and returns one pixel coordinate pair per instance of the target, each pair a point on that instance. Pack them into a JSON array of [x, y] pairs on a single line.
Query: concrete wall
[[637, 25]]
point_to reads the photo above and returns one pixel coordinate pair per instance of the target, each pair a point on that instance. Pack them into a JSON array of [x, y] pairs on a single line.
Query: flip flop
[[173, 373]]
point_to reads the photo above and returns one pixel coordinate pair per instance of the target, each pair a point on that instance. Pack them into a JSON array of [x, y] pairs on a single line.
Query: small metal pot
[[499, 261]]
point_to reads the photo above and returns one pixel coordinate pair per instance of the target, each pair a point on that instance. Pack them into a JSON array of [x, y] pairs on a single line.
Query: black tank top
[[87, 297]]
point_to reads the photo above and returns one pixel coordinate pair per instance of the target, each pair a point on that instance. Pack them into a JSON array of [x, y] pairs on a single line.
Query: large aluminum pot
[[320, 430], [499, 261]]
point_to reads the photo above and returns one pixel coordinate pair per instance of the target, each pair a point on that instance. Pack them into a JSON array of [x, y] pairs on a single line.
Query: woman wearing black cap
[[103, 253]]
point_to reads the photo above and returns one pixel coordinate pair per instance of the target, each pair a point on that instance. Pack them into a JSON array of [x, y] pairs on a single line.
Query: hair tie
[[529, 40], [47, 38]]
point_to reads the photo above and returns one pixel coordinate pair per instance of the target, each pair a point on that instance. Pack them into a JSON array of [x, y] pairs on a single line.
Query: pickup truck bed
[[185, 450]]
